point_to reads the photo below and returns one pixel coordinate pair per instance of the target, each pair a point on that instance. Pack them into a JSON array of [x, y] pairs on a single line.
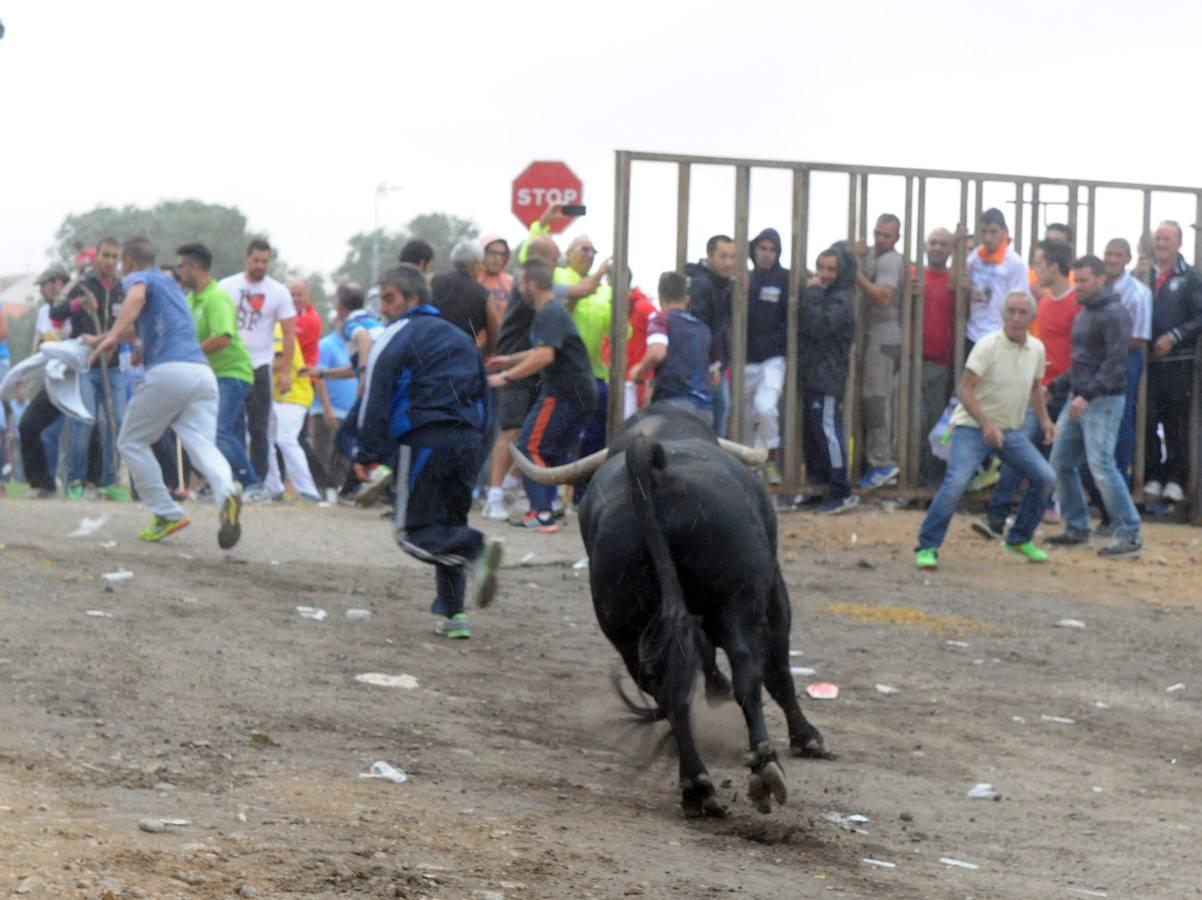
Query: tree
[[170, 223], [440, 230]]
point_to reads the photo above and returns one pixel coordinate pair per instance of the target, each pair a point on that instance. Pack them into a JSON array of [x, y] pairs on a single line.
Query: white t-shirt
[[44, 326], [992, 282], [259, 304], [1137, 300]]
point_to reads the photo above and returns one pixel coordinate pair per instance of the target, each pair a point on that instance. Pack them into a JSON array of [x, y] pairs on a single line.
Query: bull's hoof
[[812, 747], [767, 782], [717, 688], [698, 798]]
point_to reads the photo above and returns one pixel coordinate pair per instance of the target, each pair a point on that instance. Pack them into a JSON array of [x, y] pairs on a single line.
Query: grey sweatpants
[[182, 396]]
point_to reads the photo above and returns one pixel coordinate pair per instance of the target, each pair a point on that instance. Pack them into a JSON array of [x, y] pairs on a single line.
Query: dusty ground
[[207, 697]]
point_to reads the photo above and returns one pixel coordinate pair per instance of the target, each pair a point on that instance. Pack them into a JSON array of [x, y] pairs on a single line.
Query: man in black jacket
[[1089, 424], [710, 301], [92, 307], [767, 321], [1176, 324], [826, 327]]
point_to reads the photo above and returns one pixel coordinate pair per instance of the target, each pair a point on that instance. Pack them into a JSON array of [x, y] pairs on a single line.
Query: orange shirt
[[1056, 315]]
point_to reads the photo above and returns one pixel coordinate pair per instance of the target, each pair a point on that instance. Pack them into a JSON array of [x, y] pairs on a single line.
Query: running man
[[425, 391], [179, 392]]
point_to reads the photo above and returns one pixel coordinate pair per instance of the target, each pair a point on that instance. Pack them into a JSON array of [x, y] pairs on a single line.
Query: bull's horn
[[751, 456], [581, 468]]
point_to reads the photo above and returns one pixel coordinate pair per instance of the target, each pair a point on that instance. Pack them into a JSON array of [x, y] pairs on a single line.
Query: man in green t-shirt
[[217, 330]]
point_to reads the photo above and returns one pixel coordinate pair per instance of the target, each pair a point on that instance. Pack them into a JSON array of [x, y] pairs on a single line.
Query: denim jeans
[[1009, 479], [91, 392], [1091, 440], [231, 429], [968, 450], [721, 400], [1124, 447]]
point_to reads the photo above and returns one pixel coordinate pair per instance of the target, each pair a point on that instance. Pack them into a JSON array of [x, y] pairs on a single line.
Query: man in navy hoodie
[[767, 321], [425, 390]]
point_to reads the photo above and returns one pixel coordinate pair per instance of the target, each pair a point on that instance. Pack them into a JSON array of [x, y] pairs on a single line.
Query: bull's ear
[[659, 458]]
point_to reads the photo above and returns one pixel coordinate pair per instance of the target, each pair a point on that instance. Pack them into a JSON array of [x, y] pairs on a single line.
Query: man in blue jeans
[[568, 395], [1090, 423], [1001, 378], [217, 330]]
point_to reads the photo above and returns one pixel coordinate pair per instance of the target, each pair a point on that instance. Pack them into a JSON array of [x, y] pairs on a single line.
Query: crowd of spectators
[[290, 410]]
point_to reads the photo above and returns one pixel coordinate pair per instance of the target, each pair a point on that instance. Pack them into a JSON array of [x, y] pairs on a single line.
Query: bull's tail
[[667, 647]]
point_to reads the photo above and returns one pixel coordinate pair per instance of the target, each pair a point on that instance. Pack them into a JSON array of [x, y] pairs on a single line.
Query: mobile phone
[[574, 209]]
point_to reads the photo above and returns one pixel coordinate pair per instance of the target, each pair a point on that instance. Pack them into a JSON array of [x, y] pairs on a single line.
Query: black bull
[[681, 540]]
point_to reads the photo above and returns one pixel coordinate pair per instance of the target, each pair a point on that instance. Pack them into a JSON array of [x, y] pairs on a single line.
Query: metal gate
[[1080, 204]]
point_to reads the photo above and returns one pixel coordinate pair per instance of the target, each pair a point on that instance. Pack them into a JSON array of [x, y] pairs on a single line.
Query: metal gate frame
[[912, 248]]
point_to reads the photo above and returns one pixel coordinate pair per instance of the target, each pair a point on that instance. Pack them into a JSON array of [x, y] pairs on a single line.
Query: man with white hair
[[462, 300], [1001, 378]]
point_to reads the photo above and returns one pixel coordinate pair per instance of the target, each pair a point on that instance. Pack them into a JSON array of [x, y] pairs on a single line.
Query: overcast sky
[[295, 112]]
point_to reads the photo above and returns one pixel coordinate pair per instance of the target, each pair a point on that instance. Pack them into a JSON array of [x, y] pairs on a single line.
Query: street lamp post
[[382, 190]]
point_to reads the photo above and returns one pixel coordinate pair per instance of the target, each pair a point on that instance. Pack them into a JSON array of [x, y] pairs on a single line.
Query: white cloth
[[182, 396], [287, 420], [630, 402], [259, 305], [762, 386], [61, 381], [1137, 300]]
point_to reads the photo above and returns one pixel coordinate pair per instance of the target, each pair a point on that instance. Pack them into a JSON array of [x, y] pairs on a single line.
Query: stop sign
[[544, 184]]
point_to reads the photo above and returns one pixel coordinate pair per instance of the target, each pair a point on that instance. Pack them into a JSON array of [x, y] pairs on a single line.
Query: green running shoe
[[453, 627], [927, 558], [75, 490], [115, 492], [231, 520], [161, 528], [1029, 550]]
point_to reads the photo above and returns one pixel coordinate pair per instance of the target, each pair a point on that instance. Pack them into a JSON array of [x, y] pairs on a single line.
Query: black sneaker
[[990, 529], [1104, 530], [1122, 548], [1069, 538]]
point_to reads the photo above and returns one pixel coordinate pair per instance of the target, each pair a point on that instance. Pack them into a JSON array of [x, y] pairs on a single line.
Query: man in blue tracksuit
[[425, 390]]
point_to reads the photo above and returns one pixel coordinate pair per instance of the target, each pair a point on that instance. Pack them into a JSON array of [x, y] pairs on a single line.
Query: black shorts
[[514, 401]]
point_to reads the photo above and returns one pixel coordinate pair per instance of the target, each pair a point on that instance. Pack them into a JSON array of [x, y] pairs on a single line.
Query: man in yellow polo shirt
[[1001, 378], [288, 412]]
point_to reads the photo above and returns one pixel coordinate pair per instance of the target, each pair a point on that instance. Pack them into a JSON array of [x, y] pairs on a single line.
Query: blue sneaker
[[878, 477]]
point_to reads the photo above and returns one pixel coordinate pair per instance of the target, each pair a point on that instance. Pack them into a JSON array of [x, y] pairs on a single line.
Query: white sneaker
[[495, 511], [1172, 492], [1153, 490]]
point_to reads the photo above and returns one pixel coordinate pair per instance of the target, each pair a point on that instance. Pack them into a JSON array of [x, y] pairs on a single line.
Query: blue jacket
[[425, 387]]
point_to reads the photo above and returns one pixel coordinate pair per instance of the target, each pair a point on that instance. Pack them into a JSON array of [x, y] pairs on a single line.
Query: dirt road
[[203, 696]]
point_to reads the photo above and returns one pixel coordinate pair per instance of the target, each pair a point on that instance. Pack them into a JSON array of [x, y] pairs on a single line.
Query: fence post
[[905, 319], [792, 450], [961, 294], [917, 324], [621, 305], [682, 215], [738, 313]]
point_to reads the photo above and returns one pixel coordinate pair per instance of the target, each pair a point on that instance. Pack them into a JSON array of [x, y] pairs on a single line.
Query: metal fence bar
[[1034, 222], [1019, 191], [621, 308], [738, 324], [851, 406], [909, 336], [1141, 406], [791, 453], [1074, 196], [916, 330], [978, 199], [1091, 198], [846, 169], [961, 293], [1194, 488], [682, 215]]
